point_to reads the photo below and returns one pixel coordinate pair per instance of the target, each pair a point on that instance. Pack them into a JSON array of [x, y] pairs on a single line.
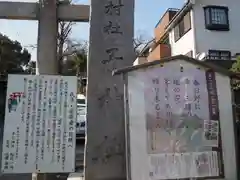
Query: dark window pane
[[80, 101], [216, 18], [214, 55], [187, 22], [223, 55], [181, 28], [176, 33], [219, 16]]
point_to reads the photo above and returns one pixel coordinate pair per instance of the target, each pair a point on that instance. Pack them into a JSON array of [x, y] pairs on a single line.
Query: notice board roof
[[197, 62]]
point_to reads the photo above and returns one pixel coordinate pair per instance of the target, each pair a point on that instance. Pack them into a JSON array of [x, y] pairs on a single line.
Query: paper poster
[[175, 113], [182, 123], [183, 165]]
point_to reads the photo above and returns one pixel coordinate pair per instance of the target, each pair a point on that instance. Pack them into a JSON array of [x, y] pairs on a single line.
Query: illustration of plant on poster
[[182, 122]]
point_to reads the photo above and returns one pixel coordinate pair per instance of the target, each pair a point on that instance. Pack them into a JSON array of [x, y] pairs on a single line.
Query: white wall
[[140, 60], [218, 40], [185, 44]]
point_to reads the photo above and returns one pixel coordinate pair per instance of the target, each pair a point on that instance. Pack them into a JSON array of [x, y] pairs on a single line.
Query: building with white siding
[[203, 29]]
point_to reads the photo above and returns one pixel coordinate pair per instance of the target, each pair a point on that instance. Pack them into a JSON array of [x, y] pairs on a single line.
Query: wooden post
[[111, 47], [48, 12], [47, 63], [47, 38]]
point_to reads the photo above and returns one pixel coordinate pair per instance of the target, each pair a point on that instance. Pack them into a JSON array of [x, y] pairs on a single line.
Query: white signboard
[[39, 132], [174, 122]]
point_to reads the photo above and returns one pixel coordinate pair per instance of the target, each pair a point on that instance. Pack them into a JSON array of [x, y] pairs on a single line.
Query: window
[[182, 27], [219, 55], [216, 18], [237, 55], [81, 101]]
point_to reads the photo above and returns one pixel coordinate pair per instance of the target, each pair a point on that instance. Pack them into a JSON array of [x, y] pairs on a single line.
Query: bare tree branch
[[75, 47], [140, 41]]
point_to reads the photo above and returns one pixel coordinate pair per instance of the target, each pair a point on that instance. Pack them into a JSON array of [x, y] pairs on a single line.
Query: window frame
[[176, 33], [180, 27], [219, 52], [209, 22]]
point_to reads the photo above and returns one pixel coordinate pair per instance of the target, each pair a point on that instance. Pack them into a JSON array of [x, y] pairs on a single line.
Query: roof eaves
[[168, 10], [207, 65], [180, 13]]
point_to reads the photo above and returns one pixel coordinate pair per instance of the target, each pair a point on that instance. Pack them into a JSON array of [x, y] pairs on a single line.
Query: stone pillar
[[111, 47]]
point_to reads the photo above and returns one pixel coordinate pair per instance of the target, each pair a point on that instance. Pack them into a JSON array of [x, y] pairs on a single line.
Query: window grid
[[216, 18], [219, 55], [183, 26]]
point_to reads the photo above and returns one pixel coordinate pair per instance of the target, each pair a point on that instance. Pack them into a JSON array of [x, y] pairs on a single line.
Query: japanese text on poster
[[182, 122], [39, 132]]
